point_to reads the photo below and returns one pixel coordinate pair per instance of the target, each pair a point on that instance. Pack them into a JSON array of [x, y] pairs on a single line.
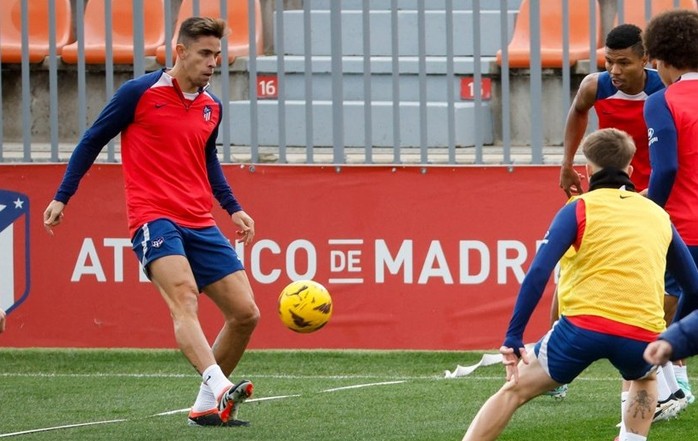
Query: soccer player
[[611, 301], [169, 122], [617, 95], [2, 321], [673, 127]]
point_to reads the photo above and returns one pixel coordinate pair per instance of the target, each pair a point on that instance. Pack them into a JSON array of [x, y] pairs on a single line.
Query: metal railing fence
[[389, 73]]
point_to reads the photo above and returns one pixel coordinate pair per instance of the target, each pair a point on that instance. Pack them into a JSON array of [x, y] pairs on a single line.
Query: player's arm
[[663, 147], [115, 116], [561, 235], [224, 194], [681, 339], [575, 127]]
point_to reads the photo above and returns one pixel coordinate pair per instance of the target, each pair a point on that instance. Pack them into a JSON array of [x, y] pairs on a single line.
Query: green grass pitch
[[336, 395]]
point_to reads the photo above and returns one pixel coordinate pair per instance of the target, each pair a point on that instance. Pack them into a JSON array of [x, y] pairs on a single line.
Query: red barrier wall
[[414, 257]]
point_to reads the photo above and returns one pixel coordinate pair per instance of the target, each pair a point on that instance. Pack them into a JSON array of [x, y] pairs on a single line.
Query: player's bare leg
[[233, 296], [174, 279], [641, 405], [495, 414]]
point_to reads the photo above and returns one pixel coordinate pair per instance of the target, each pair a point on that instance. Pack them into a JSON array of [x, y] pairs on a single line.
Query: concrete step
[[353, 124], [412, 4], [380, 41], [377, 65]]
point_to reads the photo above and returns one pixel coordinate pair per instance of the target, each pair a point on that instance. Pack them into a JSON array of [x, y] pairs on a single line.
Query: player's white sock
[[632, 437], [681, 373], [215, 379], [623, 403], [663, 391], [670, 377], [204, 400]]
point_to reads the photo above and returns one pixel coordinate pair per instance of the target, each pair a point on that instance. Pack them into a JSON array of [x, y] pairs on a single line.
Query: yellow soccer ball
[[305, 306]]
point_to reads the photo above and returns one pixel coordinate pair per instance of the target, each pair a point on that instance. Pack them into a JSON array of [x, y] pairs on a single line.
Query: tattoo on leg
[[642, 405]]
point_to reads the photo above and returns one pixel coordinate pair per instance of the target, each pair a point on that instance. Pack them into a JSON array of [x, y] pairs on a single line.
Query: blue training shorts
[[566, 350], [210, 254]]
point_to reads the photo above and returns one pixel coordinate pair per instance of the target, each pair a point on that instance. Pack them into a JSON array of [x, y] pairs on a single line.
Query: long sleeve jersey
[[672, 123], [168, 147]]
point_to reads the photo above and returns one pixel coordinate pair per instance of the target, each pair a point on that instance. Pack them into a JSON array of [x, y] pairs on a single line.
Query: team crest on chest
[[207, 113]]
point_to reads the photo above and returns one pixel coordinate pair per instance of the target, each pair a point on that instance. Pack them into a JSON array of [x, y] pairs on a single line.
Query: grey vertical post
[[308, 67], [138, 39], [648, 10], [109, 65], [593, 121], [26, 96], [368, 99], [195, 8], [536, 86], [225, 89], [477, 79], [506, 102], [53, 80], [281, 77], [337, 86], [395, 46], [252, 68], [566, 80], [592, 36], [450, 88], [421, 52], [82, 89], [168, 33], [621, 12]]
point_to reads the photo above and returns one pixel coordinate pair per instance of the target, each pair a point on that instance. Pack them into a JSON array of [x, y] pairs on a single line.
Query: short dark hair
[[626, 36], [194, 27], [609, 148], [672, 37]]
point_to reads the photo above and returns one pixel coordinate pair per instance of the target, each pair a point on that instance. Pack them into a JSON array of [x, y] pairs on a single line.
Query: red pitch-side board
[[414, 257]]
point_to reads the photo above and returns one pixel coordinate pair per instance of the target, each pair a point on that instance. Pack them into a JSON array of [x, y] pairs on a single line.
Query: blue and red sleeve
[[562, 234], [116, 115], [219, 184], [663, 146]]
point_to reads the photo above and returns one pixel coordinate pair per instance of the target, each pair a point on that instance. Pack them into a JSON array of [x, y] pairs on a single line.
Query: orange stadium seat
[[122, 32], [551, 34], [632, 13], [238, 39], [38, 21]]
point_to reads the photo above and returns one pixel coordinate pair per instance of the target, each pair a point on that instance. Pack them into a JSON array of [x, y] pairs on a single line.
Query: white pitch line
[[358, 386], [67, 426], [251, 400]]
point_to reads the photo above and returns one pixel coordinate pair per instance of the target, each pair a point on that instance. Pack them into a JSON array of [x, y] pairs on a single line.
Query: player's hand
[[511, 361], [644, 192], [53, 215], [570, 180], [245, 226], [658, 352], [2, 321]]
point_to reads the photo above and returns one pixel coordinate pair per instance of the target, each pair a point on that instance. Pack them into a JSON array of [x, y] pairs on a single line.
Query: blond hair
[[609, 148]]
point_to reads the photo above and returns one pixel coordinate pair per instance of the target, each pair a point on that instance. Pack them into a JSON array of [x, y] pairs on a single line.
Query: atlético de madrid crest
[[14, 249]]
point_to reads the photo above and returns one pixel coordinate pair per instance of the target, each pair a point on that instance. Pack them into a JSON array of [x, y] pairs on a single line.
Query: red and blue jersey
[[616, 109], [168, 148], [672, 122]]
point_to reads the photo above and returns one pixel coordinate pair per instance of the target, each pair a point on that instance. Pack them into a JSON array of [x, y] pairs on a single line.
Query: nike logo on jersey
[[625, 197], [157, 106]]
